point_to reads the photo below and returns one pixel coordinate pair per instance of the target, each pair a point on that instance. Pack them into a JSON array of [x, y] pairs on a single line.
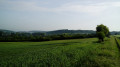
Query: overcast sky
[[26, 15]]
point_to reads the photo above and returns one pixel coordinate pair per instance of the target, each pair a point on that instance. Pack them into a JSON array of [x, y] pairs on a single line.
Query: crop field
[[61, 53]]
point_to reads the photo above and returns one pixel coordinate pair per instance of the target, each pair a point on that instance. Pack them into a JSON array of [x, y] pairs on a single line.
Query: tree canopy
[[102, 31]]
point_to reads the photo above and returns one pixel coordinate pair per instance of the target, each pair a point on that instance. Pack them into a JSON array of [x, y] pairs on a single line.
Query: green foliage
[[61, 53], [101, 36], [17, 37], [102, 28], [102, 31]]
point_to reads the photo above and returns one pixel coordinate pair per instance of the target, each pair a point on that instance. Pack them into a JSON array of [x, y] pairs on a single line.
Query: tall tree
[[102, 31]]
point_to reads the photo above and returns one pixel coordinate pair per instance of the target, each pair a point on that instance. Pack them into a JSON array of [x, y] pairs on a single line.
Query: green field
[[117, 35], [61, 53]]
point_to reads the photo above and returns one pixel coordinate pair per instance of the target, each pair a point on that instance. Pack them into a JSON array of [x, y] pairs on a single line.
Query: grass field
[[117, 35], [60, 53]]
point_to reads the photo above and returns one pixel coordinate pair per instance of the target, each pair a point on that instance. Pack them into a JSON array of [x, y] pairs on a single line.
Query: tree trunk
[[102, 39]]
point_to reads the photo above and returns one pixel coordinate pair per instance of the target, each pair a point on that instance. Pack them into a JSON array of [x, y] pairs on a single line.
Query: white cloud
[[116, 4], [81, 8], [95, 8]]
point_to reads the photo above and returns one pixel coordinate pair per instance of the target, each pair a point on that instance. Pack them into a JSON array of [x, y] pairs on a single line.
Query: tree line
[[18, 37], [102, 31]]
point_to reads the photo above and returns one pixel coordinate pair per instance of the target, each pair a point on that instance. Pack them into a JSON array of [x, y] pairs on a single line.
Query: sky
[[47, 15]]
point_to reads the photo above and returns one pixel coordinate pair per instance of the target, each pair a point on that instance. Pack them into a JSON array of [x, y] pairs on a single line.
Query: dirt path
[[117, 44]]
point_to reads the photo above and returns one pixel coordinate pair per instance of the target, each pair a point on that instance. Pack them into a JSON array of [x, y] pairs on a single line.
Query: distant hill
[[37, 31], [115, 32], [60, 31], [6, 31], [71, 31]]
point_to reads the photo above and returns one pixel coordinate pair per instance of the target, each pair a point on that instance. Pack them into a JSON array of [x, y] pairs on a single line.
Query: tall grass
[[61, 53]]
